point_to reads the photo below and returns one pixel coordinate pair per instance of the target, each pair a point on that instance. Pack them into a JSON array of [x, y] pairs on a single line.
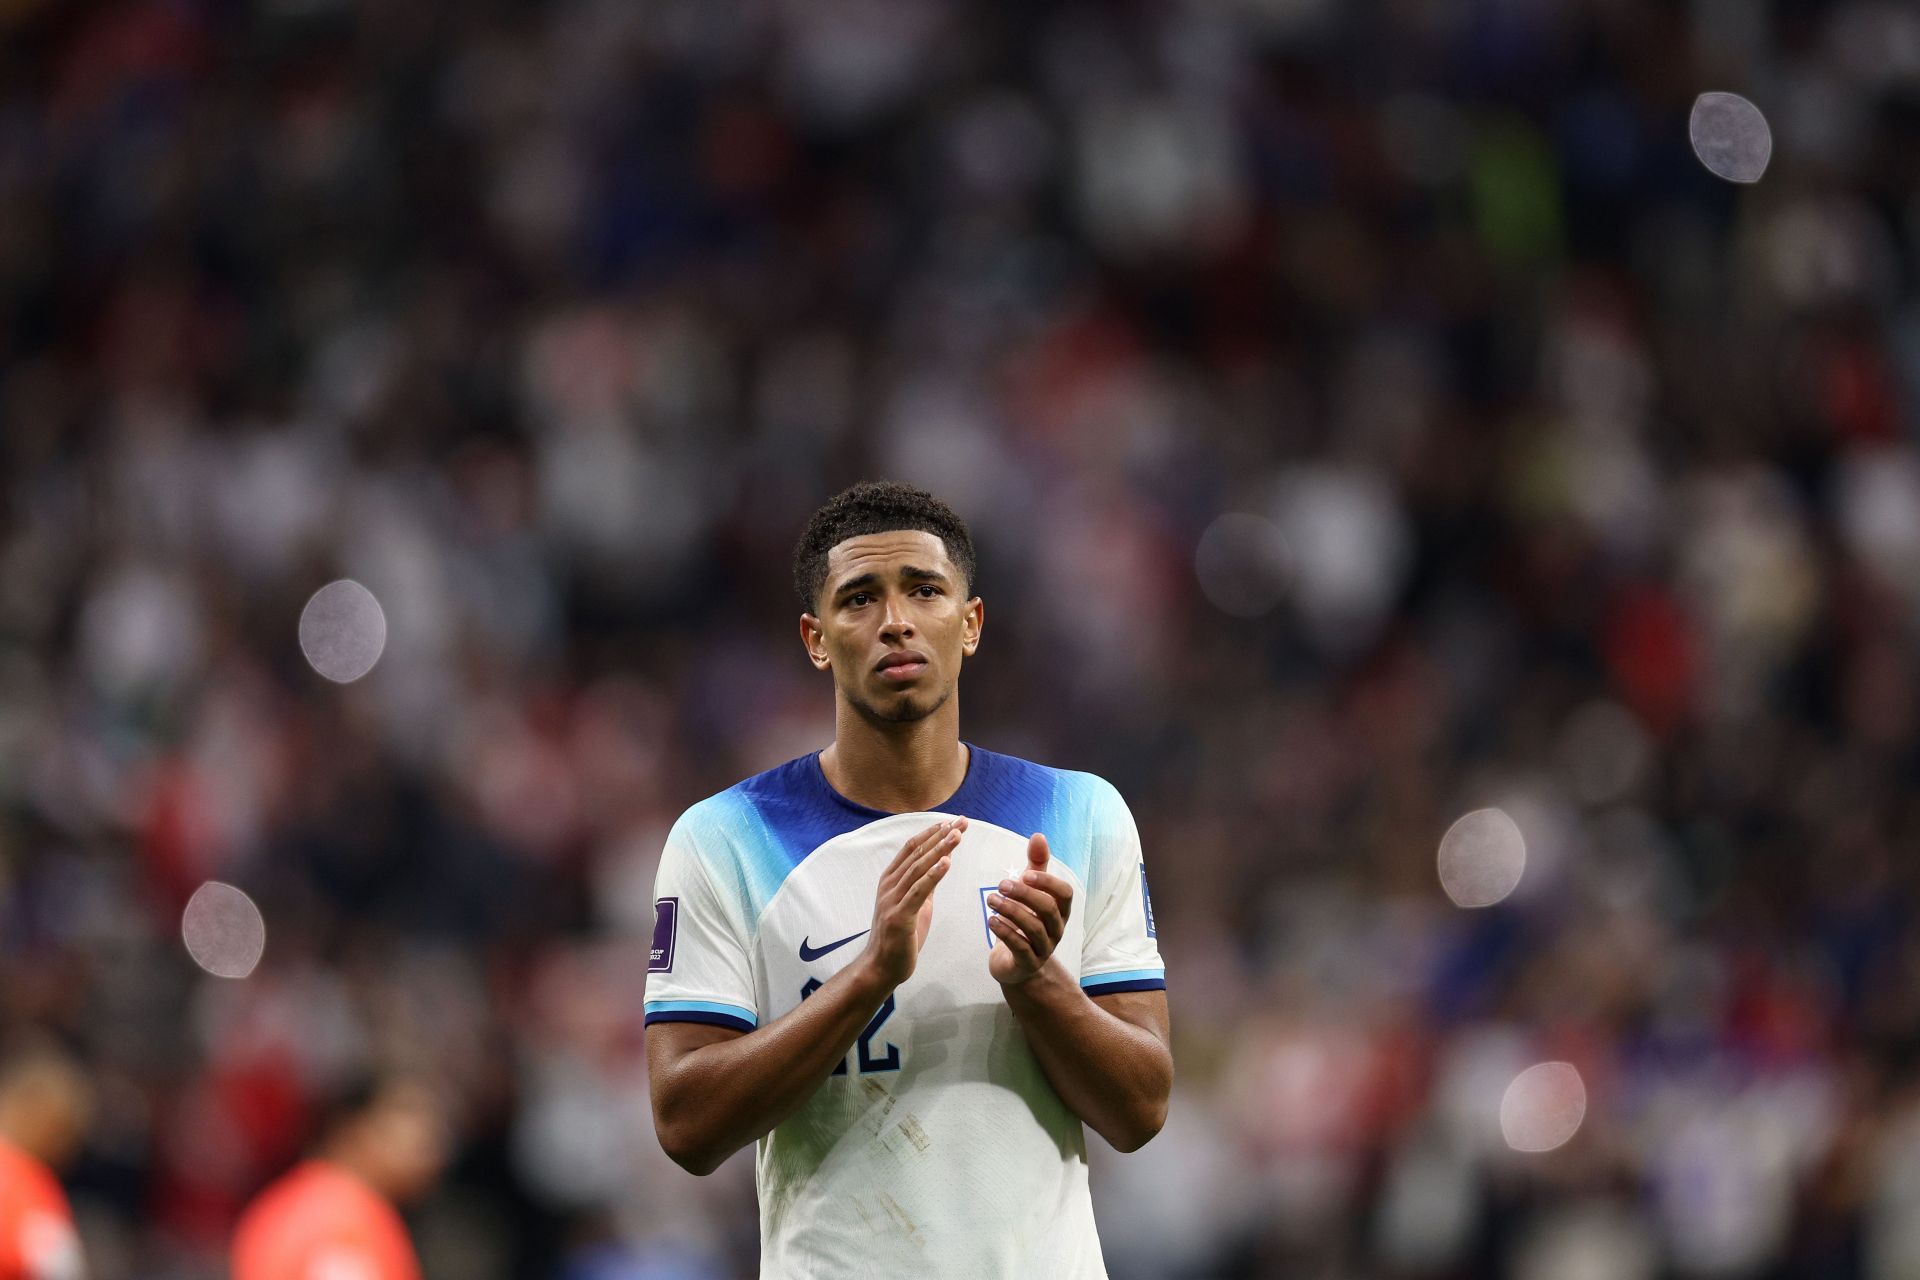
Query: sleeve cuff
[[1107, 984], [708, 1011]]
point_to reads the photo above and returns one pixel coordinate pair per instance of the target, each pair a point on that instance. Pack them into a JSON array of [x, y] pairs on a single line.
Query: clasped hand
[[1032, 916], [1032, 910]]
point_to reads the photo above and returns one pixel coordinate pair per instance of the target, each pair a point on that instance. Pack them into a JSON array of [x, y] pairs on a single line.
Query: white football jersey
[[937, 1148]]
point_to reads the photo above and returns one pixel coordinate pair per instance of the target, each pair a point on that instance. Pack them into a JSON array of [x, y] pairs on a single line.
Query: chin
[[903, 708]]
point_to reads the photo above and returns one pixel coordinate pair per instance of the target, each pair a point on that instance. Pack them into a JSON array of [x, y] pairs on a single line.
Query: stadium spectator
[[1585, 485], [44, 1106], [333, 1217]]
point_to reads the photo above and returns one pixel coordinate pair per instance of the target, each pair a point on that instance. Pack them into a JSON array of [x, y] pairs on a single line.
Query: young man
[[44, 1105], [333, 1217], [909, 967]]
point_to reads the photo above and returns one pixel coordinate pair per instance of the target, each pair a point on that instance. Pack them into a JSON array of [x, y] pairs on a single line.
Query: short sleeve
[[698, 967], [1122, 950]]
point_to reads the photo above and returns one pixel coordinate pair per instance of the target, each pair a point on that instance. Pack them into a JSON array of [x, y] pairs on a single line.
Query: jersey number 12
[[889, 1061]]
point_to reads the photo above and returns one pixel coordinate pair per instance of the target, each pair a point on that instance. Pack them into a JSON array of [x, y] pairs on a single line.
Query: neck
[[904, 767], [19, 1130], [347, 1157]]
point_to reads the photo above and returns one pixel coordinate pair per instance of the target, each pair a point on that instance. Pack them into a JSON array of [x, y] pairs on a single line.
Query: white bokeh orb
[[1482, 857], [224, 931], [1730, 136], [343, 631], [1543, 1107]]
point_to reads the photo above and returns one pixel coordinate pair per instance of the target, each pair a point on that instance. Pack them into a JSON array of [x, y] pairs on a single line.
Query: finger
[[1043, 906], [1017, 942], [924, 885], [940, 848], [1059, 889], [910, 867], [910, 852], [1037, 851], [910, 875], [1024, 916], [918, 843]]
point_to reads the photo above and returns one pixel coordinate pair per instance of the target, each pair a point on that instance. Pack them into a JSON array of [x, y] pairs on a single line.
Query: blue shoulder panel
[[773, 820], [776, 818], [1025, 797]]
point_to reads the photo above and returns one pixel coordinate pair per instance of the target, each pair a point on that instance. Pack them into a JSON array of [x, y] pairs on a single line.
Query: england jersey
[[937, 1147]]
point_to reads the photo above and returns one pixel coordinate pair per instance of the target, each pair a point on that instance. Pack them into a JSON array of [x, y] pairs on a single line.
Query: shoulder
[[316, 1222], [1069, 791], [289, 1193], [1080, 812], [34, 1185], [275, 1218], [1099, 805], [1100, 797], [747, 838], [743, 807]]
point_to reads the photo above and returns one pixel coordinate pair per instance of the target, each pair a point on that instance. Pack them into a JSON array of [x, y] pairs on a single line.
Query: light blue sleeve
[[700, 966], [1122, 951]]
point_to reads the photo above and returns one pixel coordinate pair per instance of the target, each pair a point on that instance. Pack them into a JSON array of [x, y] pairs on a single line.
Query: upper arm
[[1144, 1009], [669, 1042]]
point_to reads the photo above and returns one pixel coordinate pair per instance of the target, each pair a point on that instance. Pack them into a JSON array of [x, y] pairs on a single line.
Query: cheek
[[846, 657], [838, 647]]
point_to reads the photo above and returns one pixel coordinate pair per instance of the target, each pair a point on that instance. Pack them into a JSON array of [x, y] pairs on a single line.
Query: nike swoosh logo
[[809, 954]]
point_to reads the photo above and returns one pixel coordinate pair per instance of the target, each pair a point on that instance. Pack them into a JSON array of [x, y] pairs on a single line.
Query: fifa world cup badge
[[666, 917]]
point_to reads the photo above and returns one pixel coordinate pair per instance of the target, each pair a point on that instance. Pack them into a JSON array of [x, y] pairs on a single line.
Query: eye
[[928, 586], [857, 597]]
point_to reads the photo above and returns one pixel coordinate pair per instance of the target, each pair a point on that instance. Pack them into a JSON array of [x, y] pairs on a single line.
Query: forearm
[[718, 1098], [1117, 1077]]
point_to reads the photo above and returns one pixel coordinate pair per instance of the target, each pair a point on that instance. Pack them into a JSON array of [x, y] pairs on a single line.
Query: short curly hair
[[876, 506]]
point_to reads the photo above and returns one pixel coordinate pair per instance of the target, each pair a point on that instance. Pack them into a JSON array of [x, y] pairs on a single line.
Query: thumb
[[1037, 854]]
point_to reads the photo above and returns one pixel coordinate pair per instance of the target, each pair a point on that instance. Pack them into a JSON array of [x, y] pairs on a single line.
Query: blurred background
[[1378, 402]]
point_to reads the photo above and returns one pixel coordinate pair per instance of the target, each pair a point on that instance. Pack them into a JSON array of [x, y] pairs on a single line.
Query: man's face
[[889, 595], [408, 1130], [55, 1104]]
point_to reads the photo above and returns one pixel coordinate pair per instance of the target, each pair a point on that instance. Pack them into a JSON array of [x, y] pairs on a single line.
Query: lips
[[901, 667]]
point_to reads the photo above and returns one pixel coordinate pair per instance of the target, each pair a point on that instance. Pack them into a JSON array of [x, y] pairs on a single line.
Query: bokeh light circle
[[224, 931], [1243, 564], [343, 631], [1730, 136], [1543, 1107], [1482, 857]]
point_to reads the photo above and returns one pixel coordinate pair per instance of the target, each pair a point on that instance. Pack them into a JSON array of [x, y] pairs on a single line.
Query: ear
[[814, 640], [976, 618]]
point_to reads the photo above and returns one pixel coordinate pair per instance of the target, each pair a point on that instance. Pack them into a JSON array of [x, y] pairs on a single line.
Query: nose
[[896, 622]]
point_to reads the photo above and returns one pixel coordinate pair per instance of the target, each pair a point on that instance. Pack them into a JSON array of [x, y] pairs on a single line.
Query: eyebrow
[[908, 573]]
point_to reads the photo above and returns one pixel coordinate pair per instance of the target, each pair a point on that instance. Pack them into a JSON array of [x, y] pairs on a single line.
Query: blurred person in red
[[381, 1144], [45, 1101]]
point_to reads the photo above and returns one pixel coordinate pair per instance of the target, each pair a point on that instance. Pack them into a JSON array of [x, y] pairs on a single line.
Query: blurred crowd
[[1587, 488]]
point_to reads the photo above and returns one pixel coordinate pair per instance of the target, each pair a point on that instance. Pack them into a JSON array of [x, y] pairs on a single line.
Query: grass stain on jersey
[[908, 1227], [911, 1130], [880, 1105]]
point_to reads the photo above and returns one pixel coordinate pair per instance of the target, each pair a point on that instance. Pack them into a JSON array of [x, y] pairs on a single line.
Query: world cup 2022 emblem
[[666, 917]]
